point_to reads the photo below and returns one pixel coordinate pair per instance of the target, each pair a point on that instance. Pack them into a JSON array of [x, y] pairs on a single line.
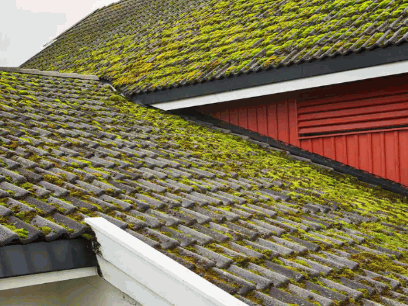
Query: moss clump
[[378, 263], [117, 99], [22, 233], [46, 230], [53, 179], [89, 237]]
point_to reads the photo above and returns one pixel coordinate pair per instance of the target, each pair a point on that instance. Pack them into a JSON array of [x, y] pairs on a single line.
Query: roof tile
[[271, 236]]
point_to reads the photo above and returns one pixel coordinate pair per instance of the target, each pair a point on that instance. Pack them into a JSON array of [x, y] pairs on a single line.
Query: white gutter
[[45, 278], [150, 277], [288, 86]]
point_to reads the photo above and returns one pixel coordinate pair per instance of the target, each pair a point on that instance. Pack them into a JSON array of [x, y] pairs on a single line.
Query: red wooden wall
[[362, 124]]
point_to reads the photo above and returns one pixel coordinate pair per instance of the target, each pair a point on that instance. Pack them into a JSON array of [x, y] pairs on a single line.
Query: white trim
[[141, 266], [45, 278], [128, 285], [288, 86]]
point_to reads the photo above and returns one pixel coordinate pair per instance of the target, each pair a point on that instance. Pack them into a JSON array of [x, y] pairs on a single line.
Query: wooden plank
[[224, 115], [283, 120], [386, 104], [379, 115], [261, 114], [234, 115], [364, 149], [293, 122], [306, 144], [378, 149], [355, 126], [317, 146], [272, 121], [324, 105], [353, 150], [341, 149], [403, 149], [390, 155], [243, 117], [329, 149], [397, 156], [252, 119]]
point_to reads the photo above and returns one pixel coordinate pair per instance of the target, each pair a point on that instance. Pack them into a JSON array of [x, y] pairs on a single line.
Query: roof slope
[[144, 46], [259, 224]]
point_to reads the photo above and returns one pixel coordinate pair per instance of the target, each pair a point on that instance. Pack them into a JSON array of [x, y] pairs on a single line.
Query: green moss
[[53, 179], [188, 40], [88, 237], [378, 263]]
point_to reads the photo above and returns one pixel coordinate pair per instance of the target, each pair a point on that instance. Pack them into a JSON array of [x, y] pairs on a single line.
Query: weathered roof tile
[[194, 216]]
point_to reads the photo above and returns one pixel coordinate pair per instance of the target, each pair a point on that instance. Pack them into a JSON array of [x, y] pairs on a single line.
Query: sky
[[27, 25]]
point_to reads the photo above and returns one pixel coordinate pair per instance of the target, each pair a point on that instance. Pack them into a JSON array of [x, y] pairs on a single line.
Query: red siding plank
[[261, 114], [224, 115], [385, 104], [364, 148], [283, 121], [252, 119], [355, 119], [397, 156], [378, 150], [234, 115], [272, 121], [355, 126], [352, 150], [329, 147], [403, 141], [390, 162], [341, 149], [243, 117], [293, 123], [319, 107], [317, 146], [306, 145]]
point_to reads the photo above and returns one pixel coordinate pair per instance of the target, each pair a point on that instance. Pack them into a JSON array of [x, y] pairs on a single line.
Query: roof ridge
[[50, 73]]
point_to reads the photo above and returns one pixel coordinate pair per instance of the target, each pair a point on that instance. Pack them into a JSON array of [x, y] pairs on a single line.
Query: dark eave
[[328, 65], [42, 257]]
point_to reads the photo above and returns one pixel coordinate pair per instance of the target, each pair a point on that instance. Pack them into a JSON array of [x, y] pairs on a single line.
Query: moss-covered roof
[[262, 225], [148, 45]]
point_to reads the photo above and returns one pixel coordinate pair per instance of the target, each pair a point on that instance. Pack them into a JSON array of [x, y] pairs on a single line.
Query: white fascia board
[[288, 86], [127, 284], [45, 278], [165, 282]]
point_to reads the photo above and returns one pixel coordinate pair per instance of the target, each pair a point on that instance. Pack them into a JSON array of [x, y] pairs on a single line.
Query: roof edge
[[17, 261], [290, 86], [50, 73], [295, 152], [147, 275], [277, 76]]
